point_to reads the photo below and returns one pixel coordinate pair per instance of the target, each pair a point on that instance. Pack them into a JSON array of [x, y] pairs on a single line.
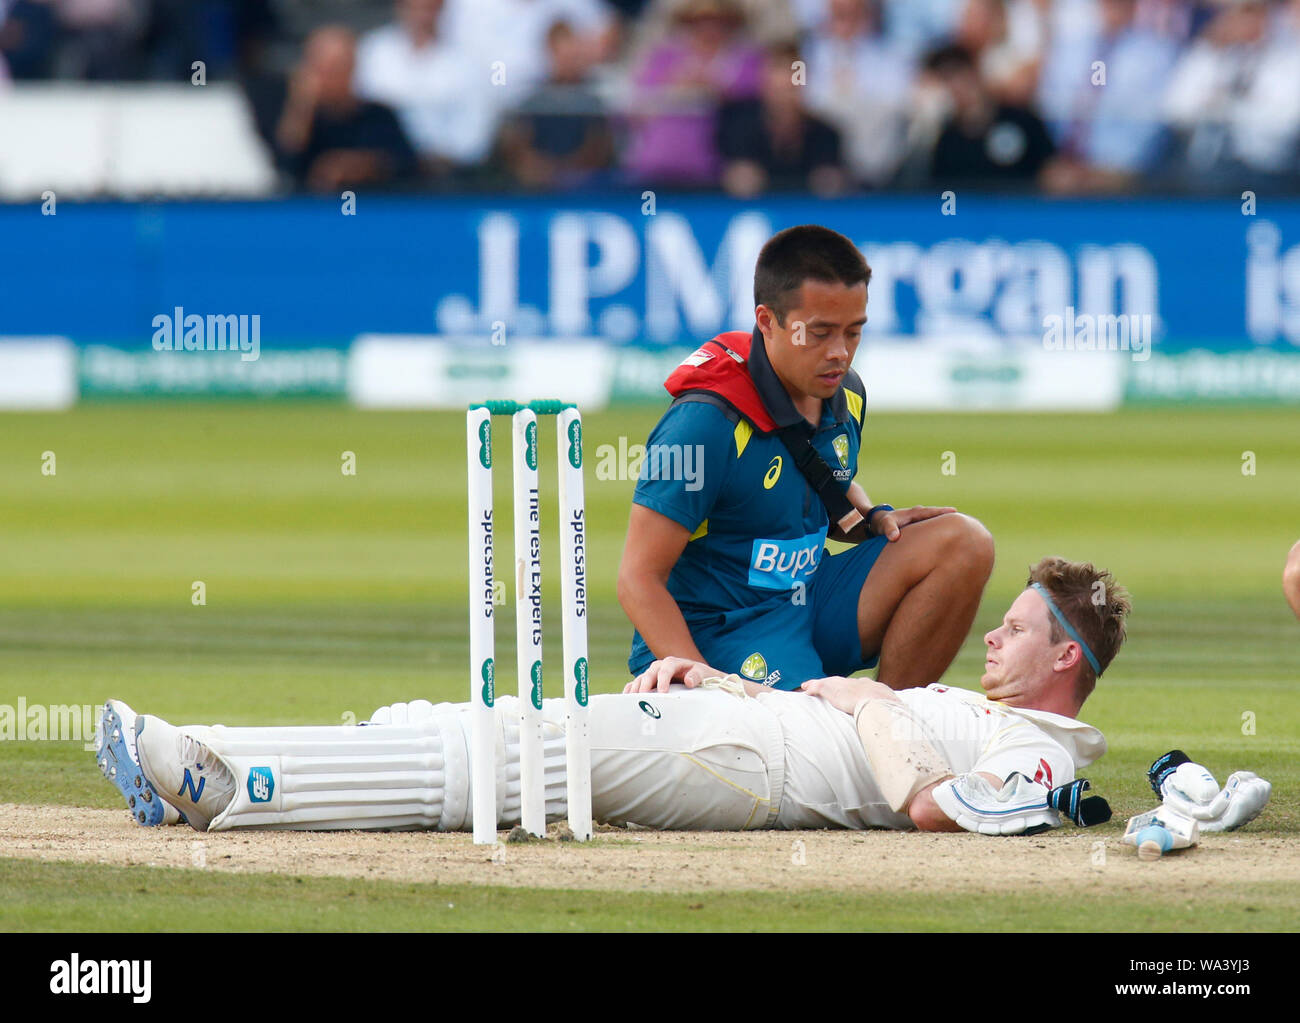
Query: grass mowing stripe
[[39, 896]]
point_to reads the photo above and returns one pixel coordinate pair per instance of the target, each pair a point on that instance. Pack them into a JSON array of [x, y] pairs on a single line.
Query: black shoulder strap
[[807, 460], [821, 478]]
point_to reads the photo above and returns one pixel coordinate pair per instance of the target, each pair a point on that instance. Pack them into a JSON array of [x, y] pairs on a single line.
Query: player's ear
[[1069, 657]]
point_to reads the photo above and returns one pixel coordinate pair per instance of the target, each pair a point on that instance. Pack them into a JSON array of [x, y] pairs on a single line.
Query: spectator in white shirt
[[915, 26], [443, 95], [860, 83], [1234, 99], [1006, 37], [508, 37]]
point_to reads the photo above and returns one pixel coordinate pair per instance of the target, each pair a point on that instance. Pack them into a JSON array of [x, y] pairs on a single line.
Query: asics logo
[[773, 473]]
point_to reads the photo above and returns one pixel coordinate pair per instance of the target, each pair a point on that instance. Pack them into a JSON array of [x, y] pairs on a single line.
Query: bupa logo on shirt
[[779, 564]]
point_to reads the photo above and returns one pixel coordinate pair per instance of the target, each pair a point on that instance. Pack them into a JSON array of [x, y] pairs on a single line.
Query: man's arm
[[293, 130], [653, 545], [859, 499], [904, 761], [886, 523], [900, 754], [926, 813], [667, 508], [1291, 579], [663, 673]]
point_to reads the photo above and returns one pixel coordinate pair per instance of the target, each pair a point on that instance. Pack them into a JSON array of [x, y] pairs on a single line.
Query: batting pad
[[378, 777]]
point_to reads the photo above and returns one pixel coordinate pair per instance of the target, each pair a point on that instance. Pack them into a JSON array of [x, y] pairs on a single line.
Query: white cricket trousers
[[683, 760]]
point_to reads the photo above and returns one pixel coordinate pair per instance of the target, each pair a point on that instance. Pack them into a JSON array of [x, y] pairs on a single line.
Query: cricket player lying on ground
[[713, 753]]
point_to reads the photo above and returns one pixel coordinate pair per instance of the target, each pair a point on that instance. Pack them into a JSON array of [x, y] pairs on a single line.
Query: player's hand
[[846, 693], [661, 674], [888, 523]]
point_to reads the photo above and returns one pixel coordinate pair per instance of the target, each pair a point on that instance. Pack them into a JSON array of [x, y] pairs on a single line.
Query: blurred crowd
[[748, 96]]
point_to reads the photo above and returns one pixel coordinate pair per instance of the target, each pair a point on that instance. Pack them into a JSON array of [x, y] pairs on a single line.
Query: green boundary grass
[[45, 896]]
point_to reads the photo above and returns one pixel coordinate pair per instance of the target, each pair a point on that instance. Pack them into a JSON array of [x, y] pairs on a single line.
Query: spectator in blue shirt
[[1100, 92]]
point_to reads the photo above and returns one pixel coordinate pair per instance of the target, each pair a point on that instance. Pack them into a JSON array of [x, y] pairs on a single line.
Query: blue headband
[[1069, 629]]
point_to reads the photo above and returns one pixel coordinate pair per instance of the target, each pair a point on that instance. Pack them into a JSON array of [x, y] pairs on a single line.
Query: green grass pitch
[[330, 594]]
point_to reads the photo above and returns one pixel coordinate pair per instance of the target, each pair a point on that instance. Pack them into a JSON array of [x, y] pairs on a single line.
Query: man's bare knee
[[975, 543], [1291, 579], [960, 541]]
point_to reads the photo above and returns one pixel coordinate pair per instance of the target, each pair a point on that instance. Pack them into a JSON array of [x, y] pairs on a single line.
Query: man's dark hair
[[948, 59], [784, 51], [808, 252], [559, 29]]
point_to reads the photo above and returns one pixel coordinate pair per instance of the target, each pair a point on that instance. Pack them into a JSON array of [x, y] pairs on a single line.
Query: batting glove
[[1190, 789]]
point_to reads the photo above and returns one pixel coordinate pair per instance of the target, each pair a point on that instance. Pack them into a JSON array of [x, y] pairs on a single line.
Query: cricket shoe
[[116, 756], [183, 771]]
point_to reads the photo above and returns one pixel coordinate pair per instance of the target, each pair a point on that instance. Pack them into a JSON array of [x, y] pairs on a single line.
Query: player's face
[[813, 346], [1020, 654]]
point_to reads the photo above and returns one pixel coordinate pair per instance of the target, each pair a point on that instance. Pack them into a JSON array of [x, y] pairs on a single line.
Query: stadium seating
[[130, 140]]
